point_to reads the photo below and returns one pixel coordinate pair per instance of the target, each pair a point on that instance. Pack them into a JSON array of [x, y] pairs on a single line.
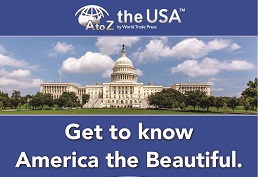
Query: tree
[[225, 106], [175, 104], [37, 100], [68, 99], [232, 103], [182, 105], [19, 106], [15, 98], [207, 102], [85, 98], [27, 99], [1, 105], [194, 98], [218, 102], [250, 95], [167, 98], [246, 106], [60, 101], [5, 99], [48, 100]]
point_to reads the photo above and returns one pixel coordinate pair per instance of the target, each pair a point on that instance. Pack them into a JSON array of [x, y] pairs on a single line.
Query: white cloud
[[2, 49], [214, 80], [216, 44], [89, 63], [210, 67], [20, 73], [190, 48], [151, 52], [238, 65], [17, 79], [238, 94], [3, 72], [211, 83], [217, 89], [139, 72], [10, 61], [107, 73], [187, 48], [18, 84], [113, 45], [60, 48], [165, 39], [194, 68], [234, 46]]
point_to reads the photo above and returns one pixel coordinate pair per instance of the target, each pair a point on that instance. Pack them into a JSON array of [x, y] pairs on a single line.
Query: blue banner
[[205, 137], [173, 18]]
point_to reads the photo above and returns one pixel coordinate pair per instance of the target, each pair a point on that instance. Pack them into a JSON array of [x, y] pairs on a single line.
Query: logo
[[90, 17]]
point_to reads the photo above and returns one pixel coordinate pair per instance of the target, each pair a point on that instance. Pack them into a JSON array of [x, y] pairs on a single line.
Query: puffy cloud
[[18, 84], [210, 67], [20, 73], [151, 52], [187, 48], [10, 61], [60, 48], [107, 73], [238, 65], [89, 63], [190, 48], [3, 72], [139, 72], [238, 94], [113, 45], [234, 46], [194, 68], [17, 79], [214, 80], [217, 89], [2, 49]]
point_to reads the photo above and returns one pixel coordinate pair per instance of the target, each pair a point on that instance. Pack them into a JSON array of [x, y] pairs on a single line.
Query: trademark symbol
[[182, 9]]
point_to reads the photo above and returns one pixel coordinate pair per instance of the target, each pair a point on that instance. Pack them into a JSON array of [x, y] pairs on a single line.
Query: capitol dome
[[124, 60], [123, 71]]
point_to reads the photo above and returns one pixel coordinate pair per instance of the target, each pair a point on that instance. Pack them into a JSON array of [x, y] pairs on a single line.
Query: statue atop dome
[[123, 52]]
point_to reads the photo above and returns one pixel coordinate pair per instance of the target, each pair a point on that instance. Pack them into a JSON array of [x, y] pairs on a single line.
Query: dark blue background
[[44, 135], [56, 17]]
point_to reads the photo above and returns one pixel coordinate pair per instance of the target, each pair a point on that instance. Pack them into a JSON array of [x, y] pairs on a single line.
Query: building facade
[[186, 87], [122, 91]]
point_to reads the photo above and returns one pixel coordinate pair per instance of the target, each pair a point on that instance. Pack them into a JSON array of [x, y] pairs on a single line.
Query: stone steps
[[90, 103]]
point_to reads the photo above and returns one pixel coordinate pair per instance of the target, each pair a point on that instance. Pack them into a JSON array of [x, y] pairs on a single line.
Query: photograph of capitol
[[122, 91]]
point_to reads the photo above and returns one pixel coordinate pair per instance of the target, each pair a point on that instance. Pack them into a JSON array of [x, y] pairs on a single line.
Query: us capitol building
[[122, 91]]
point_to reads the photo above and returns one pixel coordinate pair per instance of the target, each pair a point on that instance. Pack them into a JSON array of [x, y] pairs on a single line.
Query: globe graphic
[[91, 13]]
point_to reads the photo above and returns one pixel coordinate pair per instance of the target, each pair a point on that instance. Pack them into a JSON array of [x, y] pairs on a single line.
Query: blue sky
[[228, 63]]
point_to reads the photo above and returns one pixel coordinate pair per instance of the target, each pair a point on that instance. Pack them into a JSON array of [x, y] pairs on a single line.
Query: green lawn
[[122, 111]]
